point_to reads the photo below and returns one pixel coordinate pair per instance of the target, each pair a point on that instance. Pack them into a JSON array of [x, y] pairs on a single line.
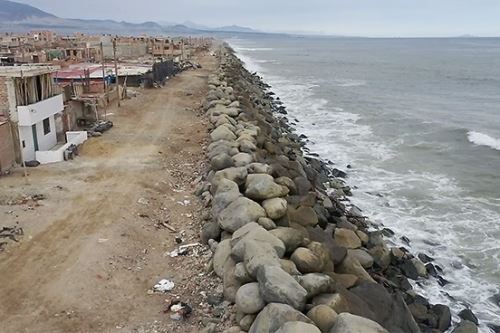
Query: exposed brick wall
[[4, 98]]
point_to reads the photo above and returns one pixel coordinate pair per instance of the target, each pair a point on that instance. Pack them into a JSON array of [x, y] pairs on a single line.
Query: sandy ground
[[93, 248]]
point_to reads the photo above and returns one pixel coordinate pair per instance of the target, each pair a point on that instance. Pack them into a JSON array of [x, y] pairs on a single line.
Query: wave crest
[[482, 139]]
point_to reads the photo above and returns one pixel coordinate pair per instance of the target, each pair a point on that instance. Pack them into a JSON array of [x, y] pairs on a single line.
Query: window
[[46, 126], [24, 144]]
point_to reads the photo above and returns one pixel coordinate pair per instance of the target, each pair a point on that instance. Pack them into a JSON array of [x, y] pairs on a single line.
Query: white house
[[33, 105]]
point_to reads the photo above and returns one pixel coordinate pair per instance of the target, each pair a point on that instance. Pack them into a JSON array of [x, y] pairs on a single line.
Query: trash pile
[[99, 127], [188, 64]]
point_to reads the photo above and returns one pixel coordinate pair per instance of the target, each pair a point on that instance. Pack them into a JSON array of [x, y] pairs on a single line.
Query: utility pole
[[116, 71]]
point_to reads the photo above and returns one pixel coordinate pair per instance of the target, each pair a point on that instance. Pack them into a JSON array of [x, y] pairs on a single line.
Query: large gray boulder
[[237, 175], [262, 186], [221, 161], [347, 238], [323, 316], [240, 212], [242, 159], [227, 191], [273, 316], [306, 261], [277, 286], [249, 299], [349, 323], [292, 238], [254, 232], [222, 133], [316, 283], [303, 215], [351, 265], [221, 256], [298, 327], [258, 255]]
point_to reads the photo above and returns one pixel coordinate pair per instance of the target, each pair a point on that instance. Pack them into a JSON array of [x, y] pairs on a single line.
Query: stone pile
[[293, 255]]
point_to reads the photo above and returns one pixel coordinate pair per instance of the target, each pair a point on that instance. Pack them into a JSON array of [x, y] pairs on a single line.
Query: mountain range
[[19, 17]]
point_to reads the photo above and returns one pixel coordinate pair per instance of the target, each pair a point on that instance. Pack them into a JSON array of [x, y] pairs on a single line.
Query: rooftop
[[27, 70]]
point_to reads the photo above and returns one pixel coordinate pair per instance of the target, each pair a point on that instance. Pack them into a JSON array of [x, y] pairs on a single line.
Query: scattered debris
[[184, 250], [100, 126], [184, 203], [162, 224], [10, 233], [164, 285], [143, 201], [179, 310]]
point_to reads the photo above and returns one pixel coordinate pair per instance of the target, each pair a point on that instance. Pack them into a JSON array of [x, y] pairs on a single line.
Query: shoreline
[[240, 101]]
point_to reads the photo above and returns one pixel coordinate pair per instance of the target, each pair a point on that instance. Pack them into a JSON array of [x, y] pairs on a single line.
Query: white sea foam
[[253, 49], [482, 139], [349, 83], [428, 208]]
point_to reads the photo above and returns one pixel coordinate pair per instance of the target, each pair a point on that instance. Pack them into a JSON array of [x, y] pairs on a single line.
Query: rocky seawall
[[293, 254]]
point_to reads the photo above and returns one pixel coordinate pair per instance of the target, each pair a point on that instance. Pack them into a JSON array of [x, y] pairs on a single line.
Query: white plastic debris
[[164, 285], [143, 201], [183, 250]]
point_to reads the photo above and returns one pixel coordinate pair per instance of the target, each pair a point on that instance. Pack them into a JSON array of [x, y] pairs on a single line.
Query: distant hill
[[15, 11], [20, 17]]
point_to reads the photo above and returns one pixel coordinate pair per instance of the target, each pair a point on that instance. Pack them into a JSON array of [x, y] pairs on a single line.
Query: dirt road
[[93, 248]]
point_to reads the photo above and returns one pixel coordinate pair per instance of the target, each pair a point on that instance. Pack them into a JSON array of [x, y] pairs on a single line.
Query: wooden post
[[116, 72], [104, 86], [19, 136]]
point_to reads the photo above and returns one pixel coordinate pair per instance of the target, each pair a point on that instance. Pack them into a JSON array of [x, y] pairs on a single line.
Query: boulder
[[237, 175], [349, 323], [347, 238], [467, 314], [444, 316], [266, 223], [420, 267], [229, 281], [262, 187], [381, 255], [241, 273], [249, 299], [242, 159], [345, 280], [246, 322], [465, 326], [323, 316], [298, 327], [292, 238], [316, 283], [227, 191], [351, 265], [303, 215], [320, 250], [364, 258], [221, 256], [240, 212], [258, 255], [289, 267], [275, 208], [277, 286], [222, 133], [221, 161], [258, 168], [273, 316], [255, 233], [210, 230], [306, 261], [288, 182]]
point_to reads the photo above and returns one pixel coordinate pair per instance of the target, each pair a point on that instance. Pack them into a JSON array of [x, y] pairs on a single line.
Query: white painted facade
[[31, 126], [57, 154]]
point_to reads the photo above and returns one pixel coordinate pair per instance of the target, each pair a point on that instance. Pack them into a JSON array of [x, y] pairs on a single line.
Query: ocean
[[418, 122]]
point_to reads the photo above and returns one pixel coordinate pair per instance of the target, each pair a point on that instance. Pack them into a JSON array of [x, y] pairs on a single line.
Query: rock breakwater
[[293, 254]]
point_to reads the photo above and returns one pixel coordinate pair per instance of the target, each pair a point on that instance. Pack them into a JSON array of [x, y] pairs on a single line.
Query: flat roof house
[[30, 101]]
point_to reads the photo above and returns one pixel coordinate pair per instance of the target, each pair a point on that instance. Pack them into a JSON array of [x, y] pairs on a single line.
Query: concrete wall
[[7, 154], [4, 97], [45, 142], [34, 113]]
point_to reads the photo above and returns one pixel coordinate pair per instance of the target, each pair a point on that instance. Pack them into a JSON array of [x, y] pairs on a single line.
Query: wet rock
[[347, 238], [262, 187], [298, 327], [273, 316], [249, 299], [420, 267], [465, 327], [277, 286], [467, 314], [323, 316], [291, 237], [240, 212], [425, 258], [275, 207], [409, 269], [306, 261], [349, 323], [444, 316], [303, 215]]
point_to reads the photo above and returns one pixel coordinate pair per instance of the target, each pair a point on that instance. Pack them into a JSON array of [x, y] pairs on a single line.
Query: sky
[[373, 18]]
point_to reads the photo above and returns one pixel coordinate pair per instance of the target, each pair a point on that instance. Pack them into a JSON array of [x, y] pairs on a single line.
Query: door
[[35, 138]]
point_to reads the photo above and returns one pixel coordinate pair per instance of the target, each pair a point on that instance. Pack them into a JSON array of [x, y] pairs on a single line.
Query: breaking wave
[[482, 139]]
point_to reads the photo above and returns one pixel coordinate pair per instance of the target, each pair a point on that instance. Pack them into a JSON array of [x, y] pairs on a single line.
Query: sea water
[[418, 121]]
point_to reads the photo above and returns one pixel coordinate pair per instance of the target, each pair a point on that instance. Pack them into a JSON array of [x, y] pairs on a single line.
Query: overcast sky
[[342, 17]]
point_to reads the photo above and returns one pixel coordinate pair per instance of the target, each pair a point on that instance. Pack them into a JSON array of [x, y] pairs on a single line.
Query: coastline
[[249, 144]]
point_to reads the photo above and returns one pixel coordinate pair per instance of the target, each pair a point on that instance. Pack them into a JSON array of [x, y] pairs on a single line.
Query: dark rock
[[467, 314], [465, 327], [443, 315], [210, 230], [409, 270], [425, 258], [338, 173], [431, 270]]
